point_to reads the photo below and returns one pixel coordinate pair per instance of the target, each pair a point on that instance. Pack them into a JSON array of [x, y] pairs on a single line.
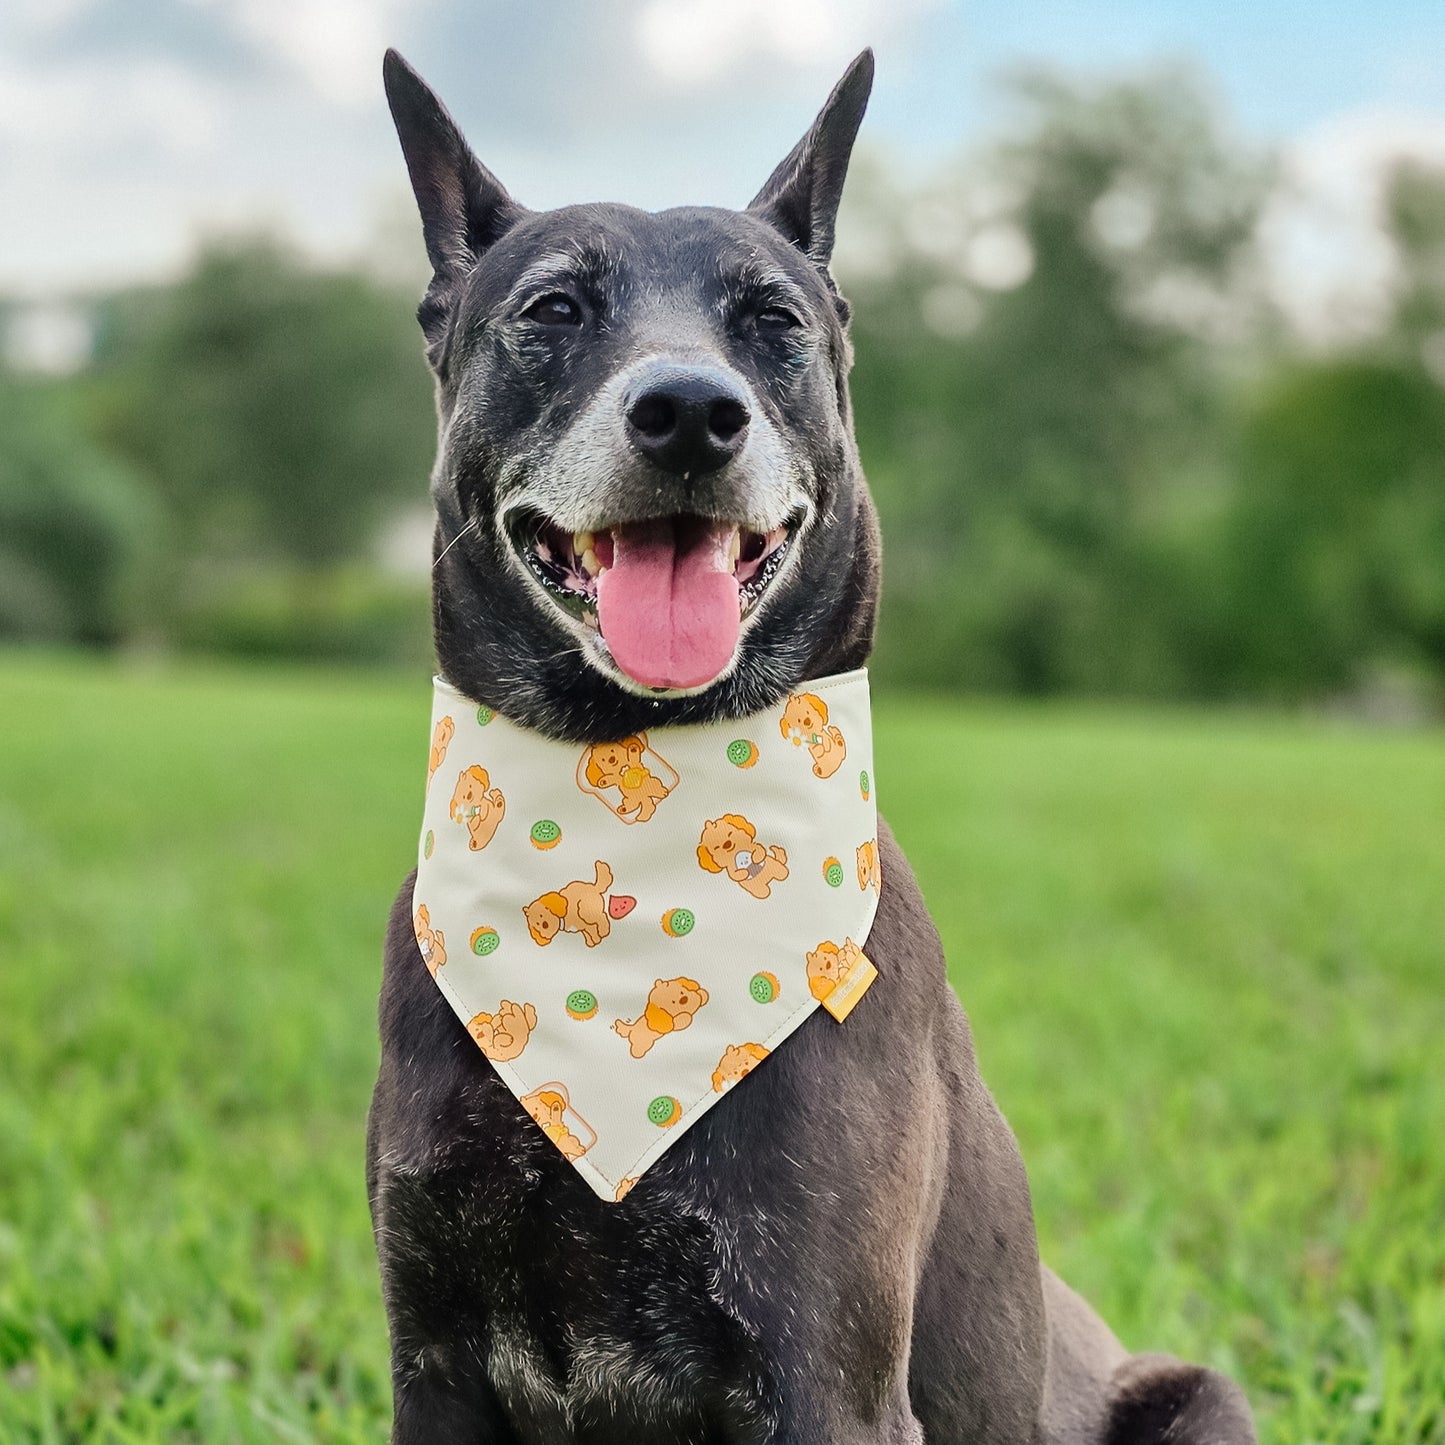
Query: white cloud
[[127, 131], [88, 105], [1332, 266], [689, 41], [46, 17], [334, 45]]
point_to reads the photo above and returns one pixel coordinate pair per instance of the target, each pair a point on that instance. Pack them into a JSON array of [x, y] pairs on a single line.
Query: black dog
[[845, 1250]]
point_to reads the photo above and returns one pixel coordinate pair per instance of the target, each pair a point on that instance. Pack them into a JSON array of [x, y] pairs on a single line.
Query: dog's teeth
[[582, 542], [736, 549], [590, 565]]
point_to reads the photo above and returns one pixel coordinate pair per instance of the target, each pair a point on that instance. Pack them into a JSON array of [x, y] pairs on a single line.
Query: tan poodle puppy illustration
[[441, 737], [869, 875], [737, 1062], [432, 942], [670, 1006], [829, 965], [805, 720], [730, 845], [503, 1035], [580, 907], [619, 765], [478, 806], [549, 1107]]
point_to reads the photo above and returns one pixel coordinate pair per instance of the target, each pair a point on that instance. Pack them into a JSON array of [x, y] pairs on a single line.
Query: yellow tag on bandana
[[628, 929], [855, 982]]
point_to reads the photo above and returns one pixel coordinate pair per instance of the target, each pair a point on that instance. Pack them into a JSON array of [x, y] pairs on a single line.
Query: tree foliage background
[[1104, 463]]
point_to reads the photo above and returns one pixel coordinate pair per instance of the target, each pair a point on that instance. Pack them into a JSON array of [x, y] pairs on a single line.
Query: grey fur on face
[[589, 480]]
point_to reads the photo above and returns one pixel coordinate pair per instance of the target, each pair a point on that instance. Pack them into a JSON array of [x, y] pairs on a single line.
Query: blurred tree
[[1415, 219], [73, 525], [1329, 566], [1334, 554], [1038, 379], [1101, 463], [279, 410]]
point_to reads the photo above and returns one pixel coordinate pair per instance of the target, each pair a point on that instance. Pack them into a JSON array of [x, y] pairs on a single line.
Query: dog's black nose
[[687, 420]]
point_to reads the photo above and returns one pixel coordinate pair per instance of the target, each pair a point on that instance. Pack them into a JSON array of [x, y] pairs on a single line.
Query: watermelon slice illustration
[[620, 905]]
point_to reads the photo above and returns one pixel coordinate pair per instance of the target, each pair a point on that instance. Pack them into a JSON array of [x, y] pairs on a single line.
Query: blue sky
[[1280, 66], [129, 128]]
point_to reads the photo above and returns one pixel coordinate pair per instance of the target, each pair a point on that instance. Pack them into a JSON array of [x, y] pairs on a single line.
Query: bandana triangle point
[[627, 930]]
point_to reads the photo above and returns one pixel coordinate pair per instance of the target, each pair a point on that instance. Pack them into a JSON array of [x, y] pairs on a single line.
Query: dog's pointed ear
[[801, 197], [464, 207]]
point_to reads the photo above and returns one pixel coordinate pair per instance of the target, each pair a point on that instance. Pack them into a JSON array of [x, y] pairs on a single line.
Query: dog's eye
[[776, 318], [554, 310]]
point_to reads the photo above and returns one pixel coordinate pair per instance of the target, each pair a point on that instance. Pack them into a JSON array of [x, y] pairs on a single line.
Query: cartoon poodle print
[[478, 806], [730, 845], [805, 720], [620, 765], [829, 965], [579, 907], [868, 872], [737, 1062], [671, 1005], [432, 942], [441, 737], [503, 1035], [550, 1106]]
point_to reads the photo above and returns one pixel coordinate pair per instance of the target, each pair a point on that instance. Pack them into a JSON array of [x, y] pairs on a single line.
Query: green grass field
[[1204, 957]]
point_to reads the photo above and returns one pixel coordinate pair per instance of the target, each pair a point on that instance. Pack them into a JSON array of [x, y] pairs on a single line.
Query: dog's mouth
[[668, 595]]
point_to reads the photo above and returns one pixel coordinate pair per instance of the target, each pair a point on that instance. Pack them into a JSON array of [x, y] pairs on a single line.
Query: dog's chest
[[628, 1337], [610, 1386]]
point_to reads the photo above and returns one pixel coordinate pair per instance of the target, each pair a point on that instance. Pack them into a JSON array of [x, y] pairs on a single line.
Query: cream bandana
[[630, 928]]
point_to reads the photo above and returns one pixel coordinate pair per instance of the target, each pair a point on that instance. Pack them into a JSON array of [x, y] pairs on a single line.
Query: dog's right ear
[[464, 207], [801, 197]]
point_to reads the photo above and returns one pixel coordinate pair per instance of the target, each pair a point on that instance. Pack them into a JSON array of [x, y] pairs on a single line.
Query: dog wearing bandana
[[652, 525]]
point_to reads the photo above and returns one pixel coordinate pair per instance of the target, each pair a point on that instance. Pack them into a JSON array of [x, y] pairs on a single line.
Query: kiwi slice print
[[764, 987], [742, 753], [581, 1003], [678, 923], [664, 1111]]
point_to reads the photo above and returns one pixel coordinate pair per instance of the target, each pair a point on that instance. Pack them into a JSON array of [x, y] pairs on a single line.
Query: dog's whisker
[[470, 527]]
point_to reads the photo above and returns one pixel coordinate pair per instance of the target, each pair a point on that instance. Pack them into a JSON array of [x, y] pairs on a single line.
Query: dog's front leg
[[441, 1386], [839, 1363], [822, 1411], [435, 1403]]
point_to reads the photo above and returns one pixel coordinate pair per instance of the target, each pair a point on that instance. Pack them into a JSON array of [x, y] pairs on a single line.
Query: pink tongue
[[668, 604]]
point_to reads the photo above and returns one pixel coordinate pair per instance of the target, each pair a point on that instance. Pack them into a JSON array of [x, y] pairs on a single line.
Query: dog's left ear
[[801, 197], [464, 207]]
